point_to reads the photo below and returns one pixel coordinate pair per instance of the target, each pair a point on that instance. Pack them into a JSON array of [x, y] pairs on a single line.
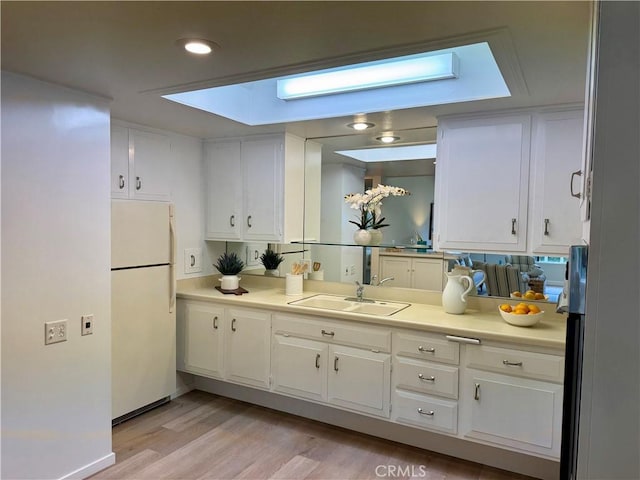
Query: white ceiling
[[126, 51]]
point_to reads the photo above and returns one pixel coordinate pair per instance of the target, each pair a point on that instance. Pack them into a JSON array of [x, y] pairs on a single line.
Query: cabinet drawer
[[426, 377], [370, 338], [516, 362], [426, 347], [425, 412]]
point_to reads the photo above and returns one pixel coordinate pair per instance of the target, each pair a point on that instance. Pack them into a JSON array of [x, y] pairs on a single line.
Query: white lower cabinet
[[508, 408], [502, 395], [425, 381], [412, 272], [318, 368], [223, 343]]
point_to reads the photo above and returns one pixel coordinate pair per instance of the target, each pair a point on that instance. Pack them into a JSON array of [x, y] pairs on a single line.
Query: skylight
[[257, 103], [391, 154]]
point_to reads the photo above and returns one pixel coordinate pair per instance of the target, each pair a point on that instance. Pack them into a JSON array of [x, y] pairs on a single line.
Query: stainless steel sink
[[341, 304]]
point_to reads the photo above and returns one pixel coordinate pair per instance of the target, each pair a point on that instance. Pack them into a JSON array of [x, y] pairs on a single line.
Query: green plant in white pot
[[229, 265], [271, 261]]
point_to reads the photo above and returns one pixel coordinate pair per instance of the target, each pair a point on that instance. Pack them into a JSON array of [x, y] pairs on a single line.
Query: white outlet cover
[[86, 327], [192, 260], [55, 331]]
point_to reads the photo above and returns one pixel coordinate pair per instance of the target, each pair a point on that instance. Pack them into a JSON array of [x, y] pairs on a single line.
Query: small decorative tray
[[237, 291]]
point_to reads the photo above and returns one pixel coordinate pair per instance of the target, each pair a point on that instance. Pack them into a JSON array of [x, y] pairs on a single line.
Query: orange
[[539, 296], [534, 309], [505, 307], [521, 310], [516, 294], [530, 295]]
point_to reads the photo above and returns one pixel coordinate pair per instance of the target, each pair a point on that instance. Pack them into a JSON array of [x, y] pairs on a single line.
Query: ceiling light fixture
[[362, 76], [388, 138], [197, 45], [361, 125]]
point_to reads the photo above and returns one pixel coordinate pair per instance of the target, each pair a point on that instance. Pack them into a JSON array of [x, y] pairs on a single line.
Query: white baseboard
[[92, 468]]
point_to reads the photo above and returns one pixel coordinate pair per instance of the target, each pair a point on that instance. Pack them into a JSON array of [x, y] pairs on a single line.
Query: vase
[[376, 236], [272, 272], [362, 237], [229, 282]]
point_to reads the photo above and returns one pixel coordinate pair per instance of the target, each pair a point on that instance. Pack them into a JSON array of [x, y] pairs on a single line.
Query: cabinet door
[[482, 183], [151, 166], [223, 182], [119, 161], [359, 380], [516, 412], [557, 156], [247, 347], [427, 274], [203, 339], [262, 162], [397, 267], [300, 367]]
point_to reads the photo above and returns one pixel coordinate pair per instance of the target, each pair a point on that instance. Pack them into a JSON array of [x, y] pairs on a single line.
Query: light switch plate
[[192, 260], [55, 331]]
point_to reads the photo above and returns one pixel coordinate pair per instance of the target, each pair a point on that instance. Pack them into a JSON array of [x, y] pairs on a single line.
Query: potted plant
[[271, 261], [229, 265]]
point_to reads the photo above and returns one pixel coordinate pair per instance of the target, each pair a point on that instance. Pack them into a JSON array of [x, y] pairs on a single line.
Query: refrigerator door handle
[[172, 259]]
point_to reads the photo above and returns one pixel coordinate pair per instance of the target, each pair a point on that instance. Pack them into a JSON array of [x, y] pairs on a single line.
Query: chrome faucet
[[359, 291], [387, 279]]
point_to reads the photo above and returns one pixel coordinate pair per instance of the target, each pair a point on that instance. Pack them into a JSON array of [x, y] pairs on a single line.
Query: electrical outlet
[[192, 260], [55, 331], [352, 269], [86, 327]]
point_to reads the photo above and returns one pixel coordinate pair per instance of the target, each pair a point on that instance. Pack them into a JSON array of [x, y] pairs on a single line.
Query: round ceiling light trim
[[388, 138], [361, 125], [198, 46]]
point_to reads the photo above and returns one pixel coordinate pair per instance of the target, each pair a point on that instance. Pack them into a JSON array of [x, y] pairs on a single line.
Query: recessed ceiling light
[[197, 45], [388, 138], [361, 125]]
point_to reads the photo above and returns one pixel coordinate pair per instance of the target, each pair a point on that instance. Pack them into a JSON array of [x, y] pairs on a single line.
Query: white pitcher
[[454, 296], [469, 272]]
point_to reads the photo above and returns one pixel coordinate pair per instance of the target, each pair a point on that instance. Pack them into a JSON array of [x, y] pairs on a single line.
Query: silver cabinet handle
[[430, 378], [249, 221], [215, 322], [232, 220], [426, 350], [546, 226], [233, 325], [455, 338], [327, 334], [476, 394], [513, 226], [335, 364], [121, 183], [138, 183], [430, 413], [577, 173], [317, 360], [511, 364]]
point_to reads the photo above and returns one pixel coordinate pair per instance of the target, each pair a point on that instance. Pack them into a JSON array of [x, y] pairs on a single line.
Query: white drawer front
[[426, 347], [371, 338], [516, 362], [425, 412], [426, 377]]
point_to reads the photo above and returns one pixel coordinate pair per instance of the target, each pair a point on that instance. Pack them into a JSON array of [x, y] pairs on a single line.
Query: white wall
[[56, 399], [609, 442]]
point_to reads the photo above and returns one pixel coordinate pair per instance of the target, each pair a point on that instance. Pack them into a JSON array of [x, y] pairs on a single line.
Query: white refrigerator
[[143, 327]]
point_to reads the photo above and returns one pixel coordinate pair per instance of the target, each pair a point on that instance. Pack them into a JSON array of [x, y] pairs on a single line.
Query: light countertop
[[484, 322]]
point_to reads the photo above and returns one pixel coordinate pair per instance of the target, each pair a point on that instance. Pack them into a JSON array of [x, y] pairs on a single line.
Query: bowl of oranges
[[521, 315], [528, 295]]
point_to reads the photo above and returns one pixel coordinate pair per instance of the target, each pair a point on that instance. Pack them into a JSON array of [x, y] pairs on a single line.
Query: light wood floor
[[204, 436]]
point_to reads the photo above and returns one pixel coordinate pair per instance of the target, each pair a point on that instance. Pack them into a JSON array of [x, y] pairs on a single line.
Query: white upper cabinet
[[140, 164], [556, 181], [482, 183], [255, 188], [510, 182]]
